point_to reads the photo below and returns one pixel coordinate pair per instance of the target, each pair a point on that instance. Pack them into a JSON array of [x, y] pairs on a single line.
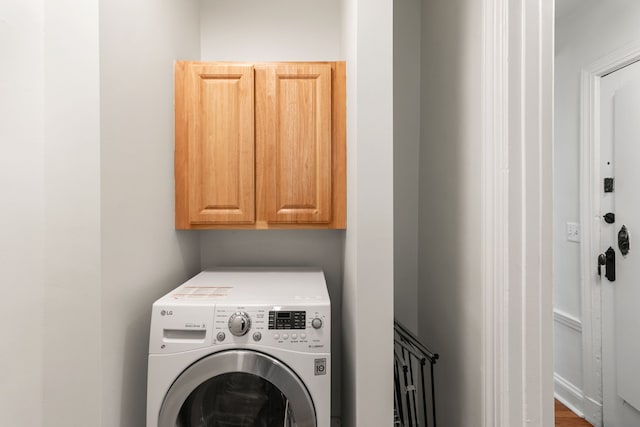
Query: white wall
[[280, 30], [22, 213], [449, 295], [50, 116], [406, 143], [72, 214], [283, 30], [367, 331], [143, 256], [577, 46], [349, 289], [88, 241]]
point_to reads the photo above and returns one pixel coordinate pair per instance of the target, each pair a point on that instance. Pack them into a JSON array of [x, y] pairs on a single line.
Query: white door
[[620, 159]]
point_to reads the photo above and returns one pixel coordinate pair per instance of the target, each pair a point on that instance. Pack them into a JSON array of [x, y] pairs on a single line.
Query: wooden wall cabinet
[[260, 145]]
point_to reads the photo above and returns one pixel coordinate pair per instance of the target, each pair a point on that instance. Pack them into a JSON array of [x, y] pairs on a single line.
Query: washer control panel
[[287, 319], [296, 328]]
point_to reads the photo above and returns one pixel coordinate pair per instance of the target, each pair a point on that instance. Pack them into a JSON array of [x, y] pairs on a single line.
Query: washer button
[[294, 336], [303, 336], [285, 336], [221, 336], [276, 336], [257, 336]]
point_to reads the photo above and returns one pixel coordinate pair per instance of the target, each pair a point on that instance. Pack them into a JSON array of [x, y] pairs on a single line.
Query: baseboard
[[593, 411], [569, 395], [573, 398]]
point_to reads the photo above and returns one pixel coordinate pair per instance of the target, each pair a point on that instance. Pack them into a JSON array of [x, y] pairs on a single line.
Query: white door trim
[[495, 230], [517, 347], [590, 191]]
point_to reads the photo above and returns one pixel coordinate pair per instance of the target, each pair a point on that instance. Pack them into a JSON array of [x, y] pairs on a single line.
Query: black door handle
[[602, 260], [608, 259]]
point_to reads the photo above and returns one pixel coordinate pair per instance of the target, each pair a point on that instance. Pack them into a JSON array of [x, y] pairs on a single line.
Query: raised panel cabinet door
[[293, 142], [215, 167]]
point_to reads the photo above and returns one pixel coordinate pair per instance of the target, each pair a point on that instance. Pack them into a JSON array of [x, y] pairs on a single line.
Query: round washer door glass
[[237, 389]]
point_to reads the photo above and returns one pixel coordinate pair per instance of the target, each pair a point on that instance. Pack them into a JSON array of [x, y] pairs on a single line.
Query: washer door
[[237, 388]]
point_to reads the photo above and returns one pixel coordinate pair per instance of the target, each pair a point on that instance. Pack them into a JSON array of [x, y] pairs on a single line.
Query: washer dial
[[316, 323], [239, 323]]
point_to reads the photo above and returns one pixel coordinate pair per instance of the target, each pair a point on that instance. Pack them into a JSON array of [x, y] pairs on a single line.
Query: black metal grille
[[415, 399]]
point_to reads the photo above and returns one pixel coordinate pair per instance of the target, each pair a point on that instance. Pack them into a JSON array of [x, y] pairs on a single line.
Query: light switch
[[573, 232]]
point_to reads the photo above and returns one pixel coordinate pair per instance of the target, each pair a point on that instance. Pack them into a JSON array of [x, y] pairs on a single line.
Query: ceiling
[[565, 8]]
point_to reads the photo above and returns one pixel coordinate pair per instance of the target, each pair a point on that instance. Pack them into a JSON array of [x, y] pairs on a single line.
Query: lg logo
[[166, 313]]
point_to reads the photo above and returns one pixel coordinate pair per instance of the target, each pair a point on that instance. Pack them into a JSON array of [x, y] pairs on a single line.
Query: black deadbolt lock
[[610, 218], [623, 240]]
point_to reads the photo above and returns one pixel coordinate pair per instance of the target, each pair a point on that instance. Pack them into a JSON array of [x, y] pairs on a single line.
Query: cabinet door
[[215, 179], [293, 142]]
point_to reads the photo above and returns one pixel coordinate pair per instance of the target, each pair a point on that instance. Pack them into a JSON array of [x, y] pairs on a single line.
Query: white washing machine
[[242, 348]]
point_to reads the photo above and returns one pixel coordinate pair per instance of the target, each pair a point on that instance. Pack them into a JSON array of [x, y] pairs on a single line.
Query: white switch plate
[[573, 232]]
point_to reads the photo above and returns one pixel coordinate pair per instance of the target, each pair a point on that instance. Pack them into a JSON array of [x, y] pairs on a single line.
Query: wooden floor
[[566, 418]]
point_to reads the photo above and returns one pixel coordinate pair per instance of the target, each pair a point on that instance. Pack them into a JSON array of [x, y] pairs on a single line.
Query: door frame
[[590, 193], [517, 210]]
